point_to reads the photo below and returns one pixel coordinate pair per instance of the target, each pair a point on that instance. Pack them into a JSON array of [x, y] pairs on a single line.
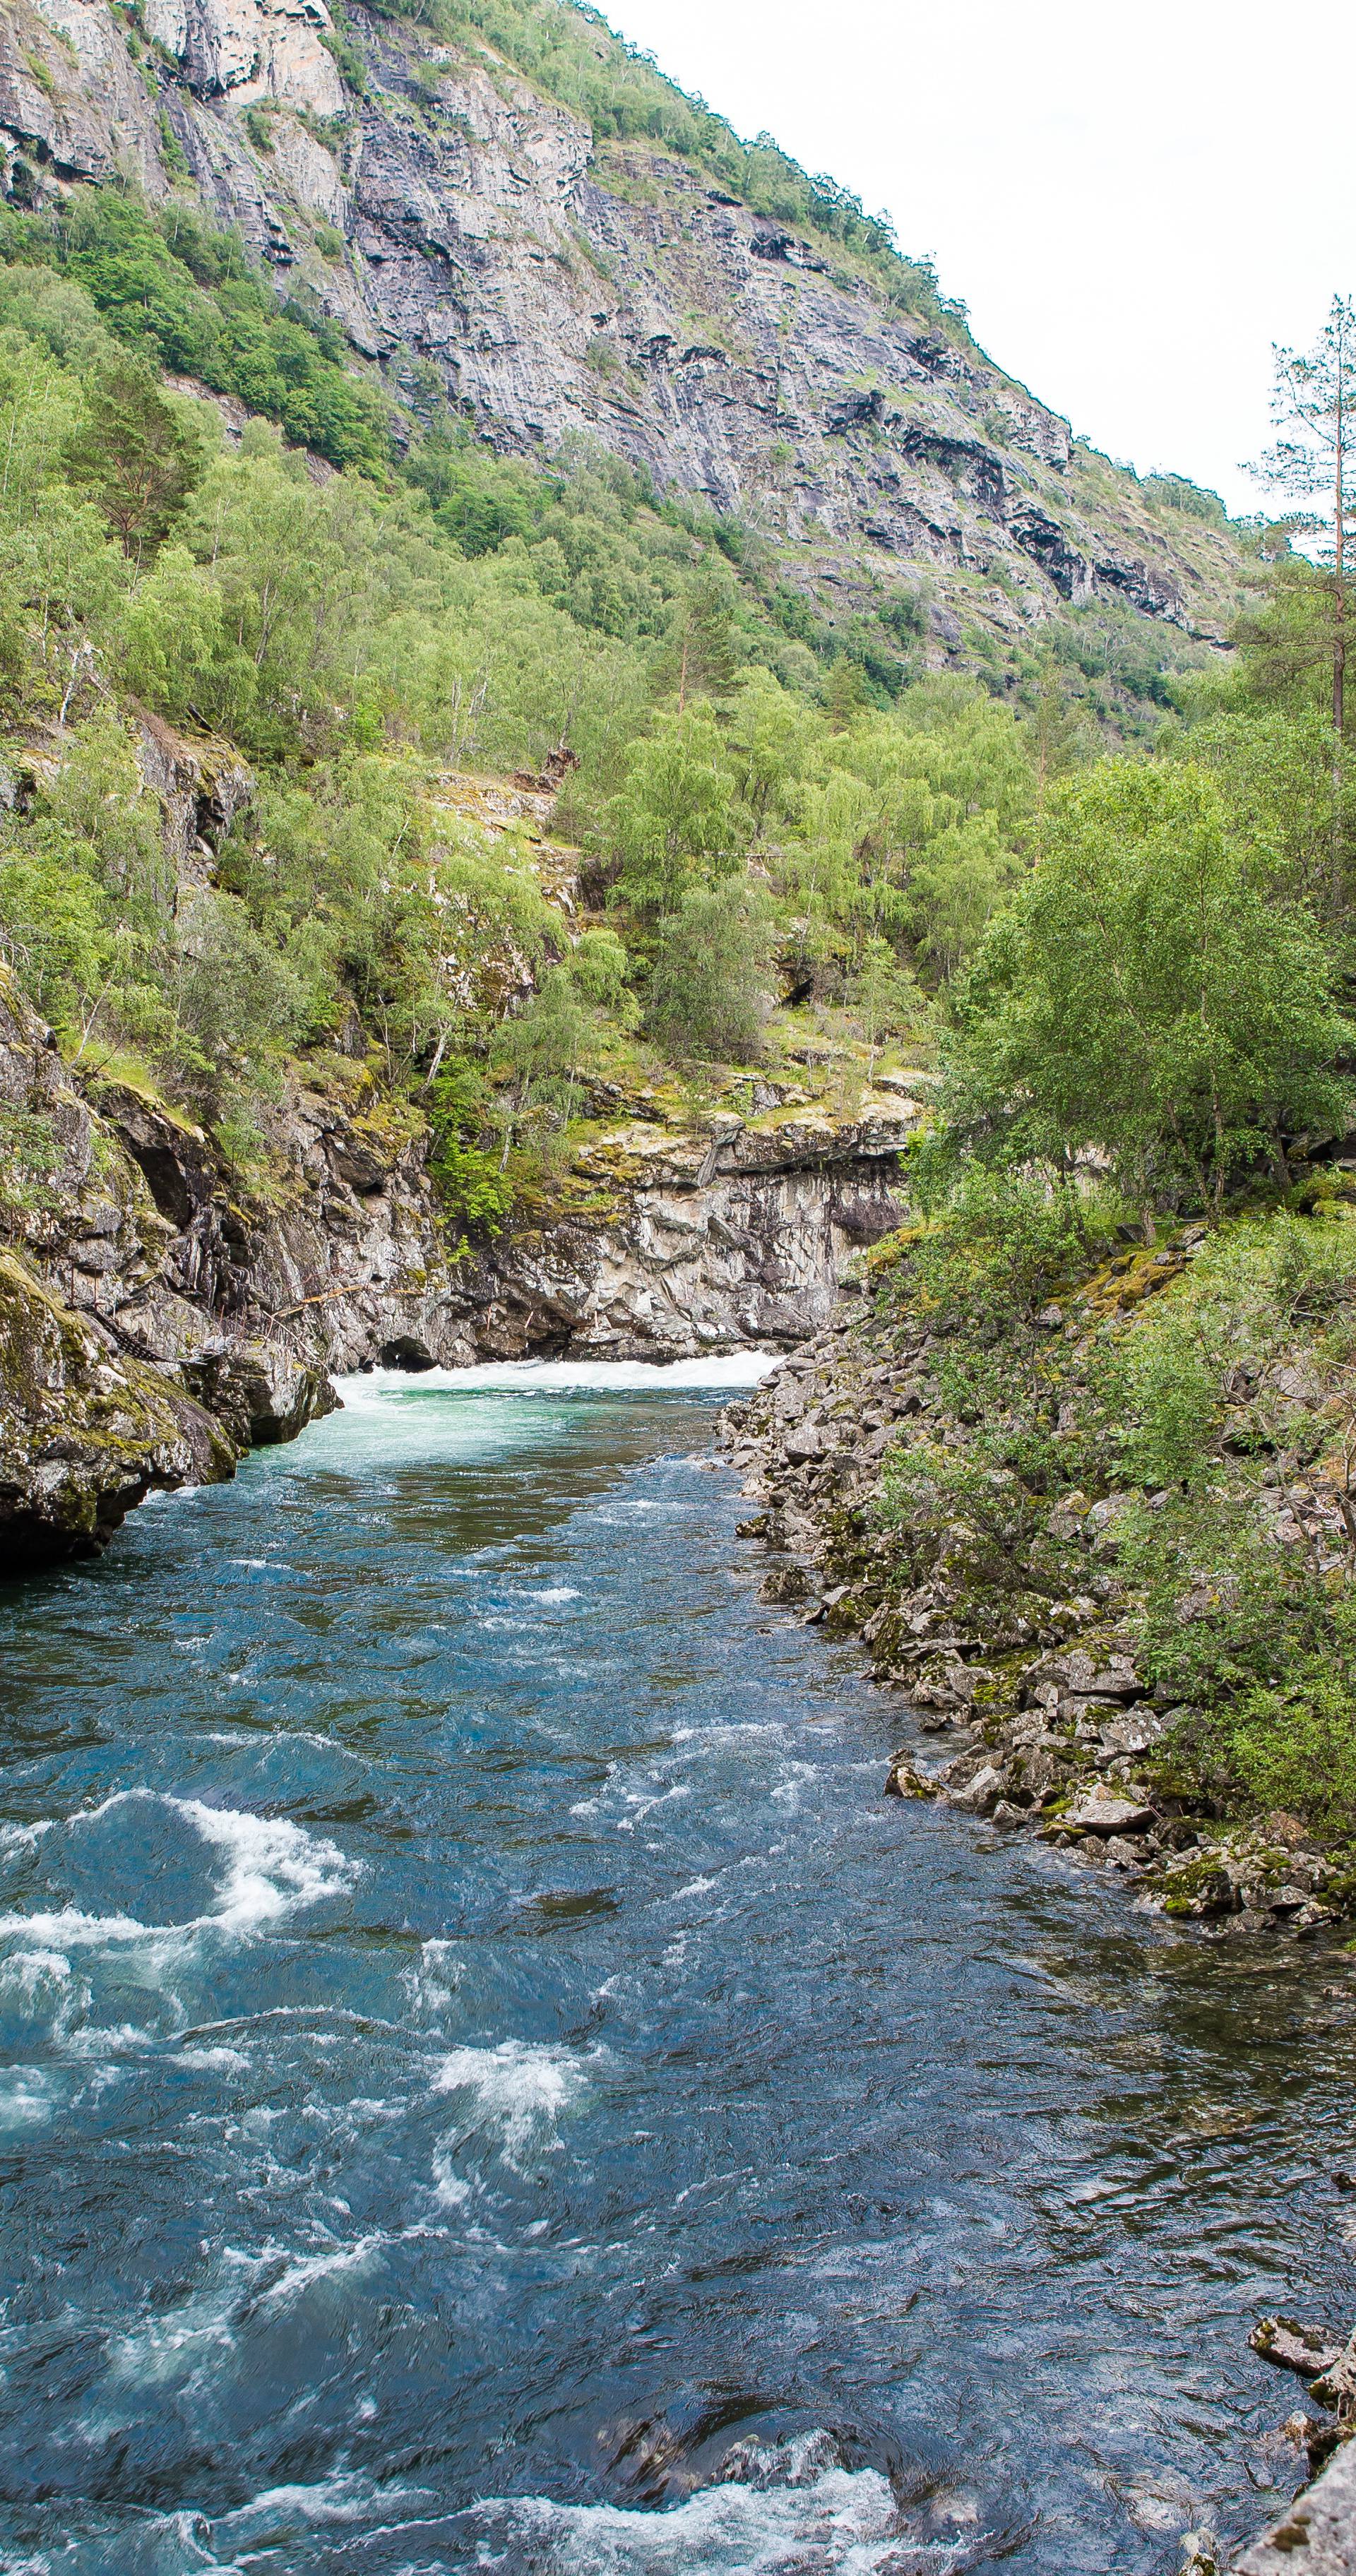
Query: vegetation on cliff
[[784, 854], [359, 636]]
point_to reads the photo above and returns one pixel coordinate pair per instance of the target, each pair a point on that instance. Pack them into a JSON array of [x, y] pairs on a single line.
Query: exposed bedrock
[[154, 1325], [556, 287], [723, 1241]]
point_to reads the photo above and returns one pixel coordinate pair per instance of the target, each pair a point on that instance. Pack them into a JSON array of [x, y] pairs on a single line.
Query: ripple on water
[[515, 2096]]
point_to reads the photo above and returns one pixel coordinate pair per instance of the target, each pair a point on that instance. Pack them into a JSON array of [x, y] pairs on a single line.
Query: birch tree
[[1312, 460]]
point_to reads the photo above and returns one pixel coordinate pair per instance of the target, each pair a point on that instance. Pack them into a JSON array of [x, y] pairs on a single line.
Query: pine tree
[[134, 453]]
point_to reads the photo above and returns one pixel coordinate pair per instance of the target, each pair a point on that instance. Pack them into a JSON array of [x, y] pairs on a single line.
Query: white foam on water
[[274, 1869], [839, 2520], [213, 2061], [554, 1593], [16, 1838], [716, 1370], [517, 2091], [331, 2262], [642, 1806], [28, 2099], [180, 2346], [40, 1989], [432, 1985], [285, 2513], [68, 1929], [185, 2345]]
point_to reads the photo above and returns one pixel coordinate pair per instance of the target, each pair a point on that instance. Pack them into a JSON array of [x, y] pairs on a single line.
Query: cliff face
[[153, 1327], [551, 288]]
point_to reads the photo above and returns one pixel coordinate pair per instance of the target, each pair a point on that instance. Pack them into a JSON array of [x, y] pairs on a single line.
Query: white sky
[[1133, 202]]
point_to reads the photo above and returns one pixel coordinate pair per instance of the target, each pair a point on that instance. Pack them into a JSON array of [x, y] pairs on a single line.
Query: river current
[[490, 2082]]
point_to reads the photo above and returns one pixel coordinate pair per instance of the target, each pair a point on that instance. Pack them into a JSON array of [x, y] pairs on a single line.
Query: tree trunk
[[1339, 641]]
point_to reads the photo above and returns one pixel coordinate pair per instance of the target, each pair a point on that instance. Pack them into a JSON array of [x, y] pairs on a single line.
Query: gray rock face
[[84, 1432], [1318, 2534], [556, 289], [716, 1245]]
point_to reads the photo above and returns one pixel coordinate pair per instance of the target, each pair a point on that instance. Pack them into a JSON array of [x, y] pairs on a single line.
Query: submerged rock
[[905, 1780]]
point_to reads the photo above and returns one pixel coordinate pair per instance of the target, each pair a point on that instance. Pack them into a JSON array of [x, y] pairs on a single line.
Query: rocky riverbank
[[1038, 1721], [1318, 2530], [1317, 2533]]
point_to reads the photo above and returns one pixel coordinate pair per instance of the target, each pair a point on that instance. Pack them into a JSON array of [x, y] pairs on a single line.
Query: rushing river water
[[490, 2082]]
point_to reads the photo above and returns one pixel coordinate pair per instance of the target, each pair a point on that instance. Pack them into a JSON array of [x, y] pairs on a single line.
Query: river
[[490, 2082]]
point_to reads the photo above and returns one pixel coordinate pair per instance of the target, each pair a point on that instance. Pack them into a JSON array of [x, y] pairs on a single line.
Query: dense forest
[[763, 806]]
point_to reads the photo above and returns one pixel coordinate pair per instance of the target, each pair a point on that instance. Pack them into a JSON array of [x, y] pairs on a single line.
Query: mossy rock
[[84, 1433]]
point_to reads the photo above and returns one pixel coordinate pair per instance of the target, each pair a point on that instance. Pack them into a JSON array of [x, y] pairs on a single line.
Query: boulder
[[982, 1793], [1293, 2346], [1105, 1811], [785, 1583], [907, 1781]]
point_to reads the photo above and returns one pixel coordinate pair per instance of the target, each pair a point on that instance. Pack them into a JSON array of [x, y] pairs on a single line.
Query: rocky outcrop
[[155, 1322], [700, 1242], [72, 105], [84, 1432], [557, 287]]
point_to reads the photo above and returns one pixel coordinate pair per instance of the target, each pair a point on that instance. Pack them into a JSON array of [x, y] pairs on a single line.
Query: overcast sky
[[1133, 203]]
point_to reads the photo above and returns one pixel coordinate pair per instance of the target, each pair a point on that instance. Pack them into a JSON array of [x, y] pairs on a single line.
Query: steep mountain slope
[[477, 238]]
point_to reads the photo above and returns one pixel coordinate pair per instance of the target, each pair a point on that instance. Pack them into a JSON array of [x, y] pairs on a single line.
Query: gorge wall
[[152, 1327], [475, 241]]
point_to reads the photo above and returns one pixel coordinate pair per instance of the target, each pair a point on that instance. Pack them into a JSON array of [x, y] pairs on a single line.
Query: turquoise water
[[489, 2081]]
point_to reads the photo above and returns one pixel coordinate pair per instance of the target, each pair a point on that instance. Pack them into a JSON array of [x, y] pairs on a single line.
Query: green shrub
[[188, 296], [994, 1248]]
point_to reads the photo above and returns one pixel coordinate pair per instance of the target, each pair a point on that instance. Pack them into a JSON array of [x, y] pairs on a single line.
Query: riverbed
[[489, 2081]]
